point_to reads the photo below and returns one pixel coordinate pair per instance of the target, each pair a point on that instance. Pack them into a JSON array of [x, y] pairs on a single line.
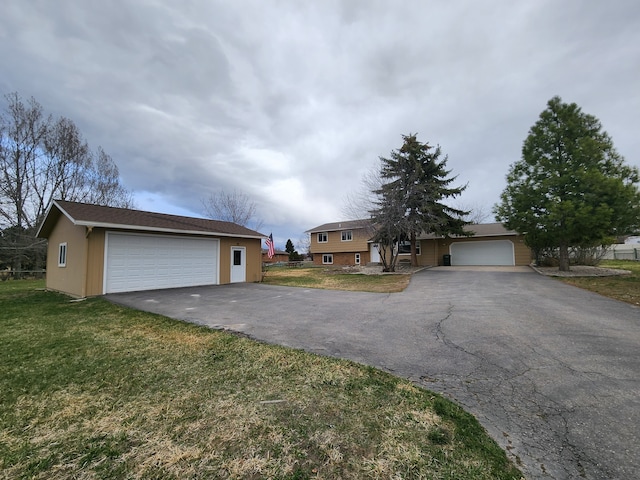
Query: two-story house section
[[349, 243], [343, 243]]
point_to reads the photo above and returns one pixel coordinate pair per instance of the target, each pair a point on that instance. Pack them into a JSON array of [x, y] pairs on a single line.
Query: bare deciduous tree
[[233, 207], [104, 182], [41, 159], [304, 244], [478, 213], [22, 132], [360, 203]]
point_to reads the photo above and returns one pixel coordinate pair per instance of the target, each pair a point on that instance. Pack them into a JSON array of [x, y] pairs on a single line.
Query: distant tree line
[[43, 158]]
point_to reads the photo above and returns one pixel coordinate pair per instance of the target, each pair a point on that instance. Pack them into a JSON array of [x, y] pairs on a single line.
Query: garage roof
[[89, 215]]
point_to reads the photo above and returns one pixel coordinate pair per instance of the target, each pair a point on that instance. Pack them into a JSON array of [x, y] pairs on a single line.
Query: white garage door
[[490, 252], [146, 262]]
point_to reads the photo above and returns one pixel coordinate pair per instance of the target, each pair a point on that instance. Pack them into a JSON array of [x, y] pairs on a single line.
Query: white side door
[[238, 264], [374, 254]]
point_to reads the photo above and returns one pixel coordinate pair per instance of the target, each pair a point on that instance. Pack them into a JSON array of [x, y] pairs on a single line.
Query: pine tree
[[415, 182], [571, 188]]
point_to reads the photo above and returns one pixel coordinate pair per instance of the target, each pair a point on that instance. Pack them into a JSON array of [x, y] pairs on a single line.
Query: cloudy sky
[[291, 102]]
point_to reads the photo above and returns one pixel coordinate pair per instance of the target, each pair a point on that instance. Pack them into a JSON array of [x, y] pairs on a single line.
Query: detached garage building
[[94, 250]]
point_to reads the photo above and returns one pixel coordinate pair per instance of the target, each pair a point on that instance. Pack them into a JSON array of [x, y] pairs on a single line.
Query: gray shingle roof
[[123, 218], [345, 225], [479, 230]]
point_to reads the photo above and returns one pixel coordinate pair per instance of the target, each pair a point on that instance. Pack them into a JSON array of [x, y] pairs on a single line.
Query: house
[[279, 256], [94, 250], [343, 243], [349, 243]]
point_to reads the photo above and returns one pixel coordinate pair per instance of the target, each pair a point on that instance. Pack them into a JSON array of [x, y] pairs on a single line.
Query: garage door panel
[[488, 252], [145, 262]]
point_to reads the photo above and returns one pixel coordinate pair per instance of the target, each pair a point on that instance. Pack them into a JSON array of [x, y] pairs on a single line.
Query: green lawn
[[93, 390], [335, 279], [623, 287]]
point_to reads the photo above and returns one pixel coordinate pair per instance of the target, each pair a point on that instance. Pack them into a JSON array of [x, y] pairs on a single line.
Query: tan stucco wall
[[95, 262], [69, 279], [343, 252], [254, 258], [334, 243], [524, 255]]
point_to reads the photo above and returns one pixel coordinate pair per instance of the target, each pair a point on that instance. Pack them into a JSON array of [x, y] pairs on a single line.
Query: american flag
[[271, 249]]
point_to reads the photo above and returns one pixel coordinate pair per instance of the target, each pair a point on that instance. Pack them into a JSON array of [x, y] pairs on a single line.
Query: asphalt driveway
[[551, 371]]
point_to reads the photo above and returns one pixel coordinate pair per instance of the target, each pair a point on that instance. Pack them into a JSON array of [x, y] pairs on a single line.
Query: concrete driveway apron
[[551, 371]]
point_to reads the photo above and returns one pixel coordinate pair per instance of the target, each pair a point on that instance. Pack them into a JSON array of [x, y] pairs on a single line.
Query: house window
[[62, 254], [347, 236], [357, 259], [327, 259], [322, 237], [404, 247]]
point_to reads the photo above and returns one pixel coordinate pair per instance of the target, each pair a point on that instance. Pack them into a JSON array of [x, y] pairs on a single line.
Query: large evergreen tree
[[415, 183], [571, 188]]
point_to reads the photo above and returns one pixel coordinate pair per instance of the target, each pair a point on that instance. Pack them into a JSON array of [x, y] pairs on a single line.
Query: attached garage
[[487, 244], [95, 250], [149, 262], [487, 252]]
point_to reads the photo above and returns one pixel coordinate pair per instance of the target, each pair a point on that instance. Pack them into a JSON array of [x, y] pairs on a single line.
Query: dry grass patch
[[621, 287], [91, 390], [335, 279]]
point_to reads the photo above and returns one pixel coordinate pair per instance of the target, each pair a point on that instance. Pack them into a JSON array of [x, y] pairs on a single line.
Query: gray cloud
[[292, 102]]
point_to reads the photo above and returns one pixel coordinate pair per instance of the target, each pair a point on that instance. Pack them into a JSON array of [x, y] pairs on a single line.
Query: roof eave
[[143, 228], [44, 220], [505, 234], [336, 229]]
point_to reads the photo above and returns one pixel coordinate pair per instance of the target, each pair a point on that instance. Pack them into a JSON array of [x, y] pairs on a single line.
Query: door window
[[237, 257]]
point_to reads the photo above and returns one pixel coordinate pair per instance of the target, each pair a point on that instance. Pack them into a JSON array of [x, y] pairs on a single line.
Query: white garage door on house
[[489, 252], [147, 262]]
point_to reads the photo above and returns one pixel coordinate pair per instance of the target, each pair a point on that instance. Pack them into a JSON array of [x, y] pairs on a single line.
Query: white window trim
[[325, 235], [357, 259], [343, 235], [62, 254], [328, 256]]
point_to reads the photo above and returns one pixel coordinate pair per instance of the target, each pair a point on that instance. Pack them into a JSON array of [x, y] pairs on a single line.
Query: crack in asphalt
[[545, 408]]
